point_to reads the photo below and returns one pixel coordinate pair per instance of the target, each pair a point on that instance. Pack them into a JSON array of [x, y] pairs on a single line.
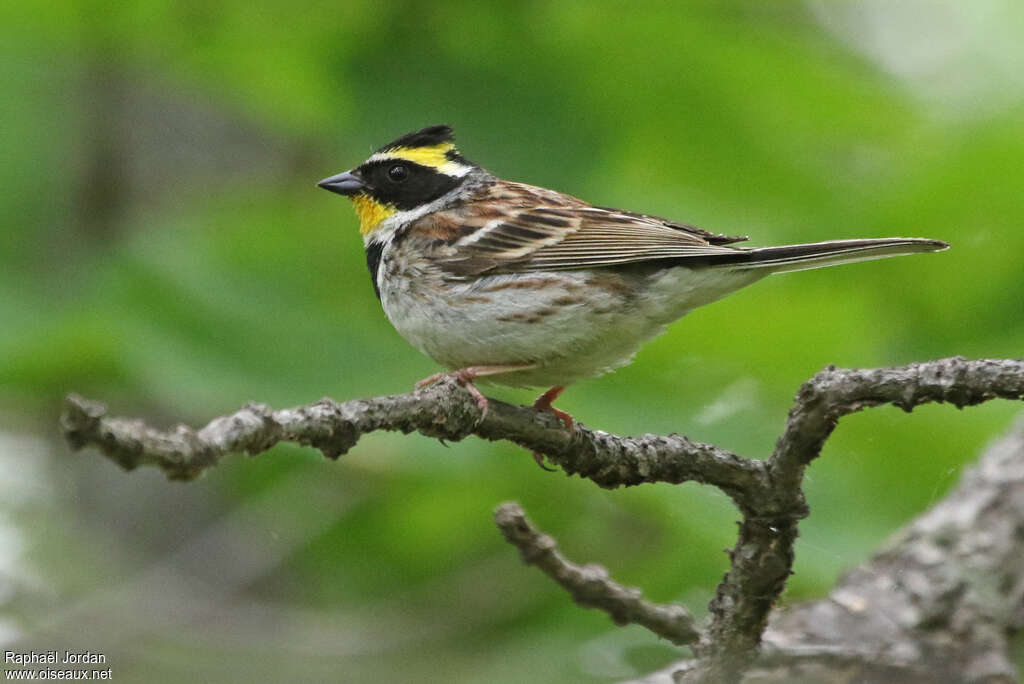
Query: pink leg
[[543, 403]]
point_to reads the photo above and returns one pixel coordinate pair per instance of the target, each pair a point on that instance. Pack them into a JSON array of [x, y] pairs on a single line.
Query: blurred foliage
[[167, 251]]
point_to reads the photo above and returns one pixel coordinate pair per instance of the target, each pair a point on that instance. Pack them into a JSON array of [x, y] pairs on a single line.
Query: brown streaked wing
[[544, 230], [713, 238]]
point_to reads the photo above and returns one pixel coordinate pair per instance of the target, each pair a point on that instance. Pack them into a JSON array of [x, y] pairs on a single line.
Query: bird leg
[[543, 403], [465, 377]]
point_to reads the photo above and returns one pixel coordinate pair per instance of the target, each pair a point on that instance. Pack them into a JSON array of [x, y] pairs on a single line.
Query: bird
[[518, 285]]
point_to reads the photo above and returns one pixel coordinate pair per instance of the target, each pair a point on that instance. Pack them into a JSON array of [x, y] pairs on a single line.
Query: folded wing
[[515, 228]]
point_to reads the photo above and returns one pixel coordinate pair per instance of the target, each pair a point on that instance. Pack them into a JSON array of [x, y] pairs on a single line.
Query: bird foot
[[465, 377]]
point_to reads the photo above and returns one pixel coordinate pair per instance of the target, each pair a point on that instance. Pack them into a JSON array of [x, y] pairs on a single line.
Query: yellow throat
[[370, 212]]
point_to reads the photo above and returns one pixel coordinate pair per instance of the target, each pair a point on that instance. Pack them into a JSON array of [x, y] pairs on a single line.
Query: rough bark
[[768, 494], [938, 604]]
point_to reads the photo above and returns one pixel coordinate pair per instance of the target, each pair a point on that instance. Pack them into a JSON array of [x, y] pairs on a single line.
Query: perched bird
[[526, 286]]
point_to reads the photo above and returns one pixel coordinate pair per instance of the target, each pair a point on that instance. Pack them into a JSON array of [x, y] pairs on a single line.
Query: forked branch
[[762, 558], [768, 493]]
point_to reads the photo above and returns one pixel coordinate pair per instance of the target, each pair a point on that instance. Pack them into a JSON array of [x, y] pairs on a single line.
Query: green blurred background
[[165, 250]]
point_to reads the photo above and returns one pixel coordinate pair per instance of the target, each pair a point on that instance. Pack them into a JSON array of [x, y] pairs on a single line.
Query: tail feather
[[834, 252]]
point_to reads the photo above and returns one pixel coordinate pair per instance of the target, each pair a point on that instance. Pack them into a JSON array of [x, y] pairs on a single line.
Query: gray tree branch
[[590, 585], [762, 558], [768, 493], [938, 604], [444, 411]]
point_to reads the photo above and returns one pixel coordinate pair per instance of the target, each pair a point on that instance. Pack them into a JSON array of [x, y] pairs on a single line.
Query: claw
[[465, 378], [539, 458]]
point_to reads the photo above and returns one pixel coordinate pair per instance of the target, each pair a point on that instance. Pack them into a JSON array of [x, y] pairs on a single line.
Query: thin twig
[[589, 585]]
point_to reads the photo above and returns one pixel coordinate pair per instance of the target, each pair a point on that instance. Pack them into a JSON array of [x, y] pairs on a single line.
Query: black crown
[[425, 137]]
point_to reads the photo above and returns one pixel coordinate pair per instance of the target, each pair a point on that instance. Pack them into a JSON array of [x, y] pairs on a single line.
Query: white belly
[[571, 324]]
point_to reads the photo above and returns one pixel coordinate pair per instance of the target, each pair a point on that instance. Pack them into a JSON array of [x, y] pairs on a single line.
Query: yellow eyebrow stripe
[[433, 156]]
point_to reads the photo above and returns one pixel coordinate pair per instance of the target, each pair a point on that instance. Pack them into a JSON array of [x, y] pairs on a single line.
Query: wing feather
[[516, 228]]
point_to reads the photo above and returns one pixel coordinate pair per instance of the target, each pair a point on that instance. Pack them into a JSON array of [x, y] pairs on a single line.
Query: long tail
[[820, 254]]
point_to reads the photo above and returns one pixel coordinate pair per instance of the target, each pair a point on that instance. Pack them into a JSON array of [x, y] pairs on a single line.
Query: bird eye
[[398, 173]]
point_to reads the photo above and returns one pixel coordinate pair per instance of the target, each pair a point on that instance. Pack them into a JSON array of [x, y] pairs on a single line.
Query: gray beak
[[346, 183]]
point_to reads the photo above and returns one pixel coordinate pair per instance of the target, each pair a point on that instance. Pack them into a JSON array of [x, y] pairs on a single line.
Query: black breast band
[[374, 250]]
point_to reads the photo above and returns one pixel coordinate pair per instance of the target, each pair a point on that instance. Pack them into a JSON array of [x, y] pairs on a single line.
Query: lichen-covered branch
[[768, 493], [938, 604], [762, 558], [445, 411], [834, 393], [590, 585]]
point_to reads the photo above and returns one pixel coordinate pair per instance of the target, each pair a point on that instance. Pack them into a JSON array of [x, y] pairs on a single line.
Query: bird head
[[406, 174]]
